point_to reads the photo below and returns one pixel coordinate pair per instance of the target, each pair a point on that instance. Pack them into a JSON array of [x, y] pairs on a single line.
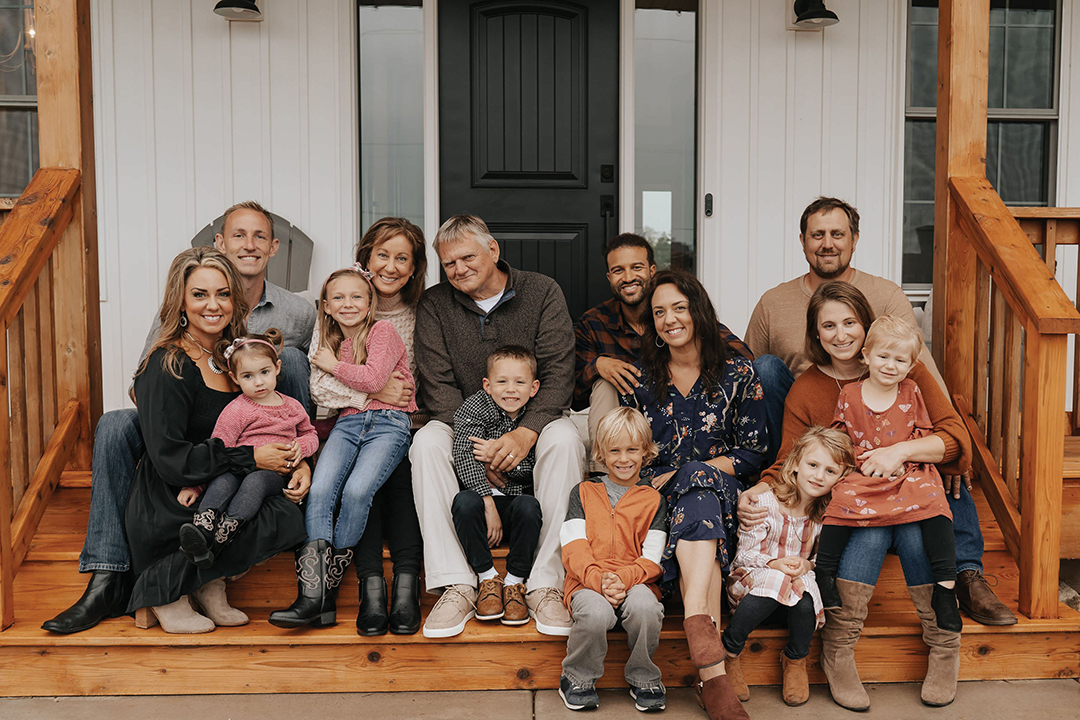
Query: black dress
[[177, 417]]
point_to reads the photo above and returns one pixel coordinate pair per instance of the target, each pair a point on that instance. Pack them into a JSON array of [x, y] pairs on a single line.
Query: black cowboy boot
[[225, 531], [372, 618], [314, 602], [405, 604], [197, 536], [106, 595]]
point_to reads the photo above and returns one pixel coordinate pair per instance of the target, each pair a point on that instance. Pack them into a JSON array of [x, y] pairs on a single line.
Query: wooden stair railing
[[39, 432], [1015, 402]]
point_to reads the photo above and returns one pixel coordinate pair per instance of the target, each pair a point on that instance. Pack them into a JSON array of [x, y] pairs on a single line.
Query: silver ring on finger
[[510, 455]]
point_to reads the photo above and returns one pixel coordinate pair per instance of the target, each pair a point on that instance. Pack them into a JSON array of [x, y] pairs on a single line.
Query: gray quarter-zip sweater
[[454, 338]]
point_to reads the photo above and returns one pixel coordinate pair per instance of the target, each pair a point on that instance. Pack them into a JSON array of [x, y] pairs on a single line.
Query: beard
[[637, 300], [830, 272]]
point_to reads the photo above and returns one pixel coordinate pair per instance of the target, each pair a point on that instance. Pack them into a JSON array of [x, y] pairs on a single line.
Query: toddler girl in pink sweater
[[259, 416]]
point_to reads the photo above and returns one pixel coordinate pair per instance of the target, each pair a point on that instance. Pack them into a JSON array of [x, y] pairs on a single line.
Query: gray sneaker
[[546, 606], [455, 608]]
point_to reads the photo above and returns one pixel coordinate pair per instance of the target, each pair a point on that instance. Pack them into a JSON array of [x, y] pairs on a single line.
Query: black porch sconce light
[[812, 14], [242, 10]]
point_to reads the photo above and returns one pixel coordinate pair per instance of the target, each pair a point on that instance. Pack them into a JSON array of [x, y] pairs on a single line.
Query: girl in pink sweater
[[352, 355], [259, 416]]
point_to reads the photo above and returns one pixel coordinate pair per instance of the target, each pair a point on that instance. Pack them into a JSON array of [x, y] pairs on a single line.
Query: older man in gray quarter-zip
[[485, 305]]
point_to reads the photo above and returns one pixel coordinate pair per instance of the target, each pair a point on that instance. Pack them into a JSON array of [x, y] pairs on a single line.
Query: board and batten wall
[[194, 113]]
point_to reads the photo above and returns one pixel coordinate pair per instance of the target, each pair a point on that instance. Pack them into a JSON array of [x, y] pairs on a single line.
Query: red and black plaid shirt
[[602, 332]]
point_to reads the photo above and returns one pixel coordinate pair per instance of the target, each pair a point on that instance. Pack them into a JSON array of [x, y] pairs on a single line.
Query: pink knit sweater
[[246, 422], [385, 354]]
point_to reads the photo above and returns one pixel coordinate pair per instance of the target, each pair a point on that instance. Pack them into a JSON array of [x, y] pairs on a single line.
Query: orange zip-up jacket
[[627, 539]]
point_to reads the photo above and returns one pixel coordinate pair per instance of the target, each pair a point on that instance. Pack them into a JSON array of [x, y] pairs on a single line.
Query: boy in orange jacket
[[612, 539]]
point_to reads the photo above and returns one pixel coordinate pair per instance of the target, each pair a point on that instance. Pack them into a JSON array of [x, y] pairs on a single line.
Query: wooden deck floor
[[116, 658]]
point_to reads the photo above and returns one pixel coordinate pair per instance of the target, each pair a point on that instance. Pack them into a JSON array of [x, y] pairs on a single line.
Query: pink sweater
[[385, 354], [246, 422]]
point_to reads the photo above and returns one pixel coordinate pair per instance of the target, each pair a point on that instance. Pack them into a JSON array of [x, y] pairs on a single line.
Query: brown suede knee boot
[[706, 650], [838, 638], [943, 666]]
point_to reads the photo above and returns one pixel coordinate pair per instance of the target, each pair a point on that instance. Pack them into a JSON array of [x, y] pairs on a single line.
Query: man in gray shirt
[[247, 238]]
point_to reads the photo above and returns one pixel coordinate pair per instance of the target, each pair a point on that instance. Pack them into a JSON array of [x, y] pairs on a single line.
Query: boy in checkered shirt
[[495, 505]]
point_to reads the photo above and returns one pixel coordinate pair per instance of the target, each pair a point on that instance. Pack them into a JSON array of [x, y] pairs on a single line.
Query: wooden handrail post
[[963, 66], [66, 131], [1041, 461]]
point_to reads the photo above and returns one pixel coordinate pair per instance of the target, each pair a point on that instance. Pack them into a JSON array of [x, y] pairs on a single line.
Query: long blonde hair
[[330, 333], [172, 306], [839, 447]]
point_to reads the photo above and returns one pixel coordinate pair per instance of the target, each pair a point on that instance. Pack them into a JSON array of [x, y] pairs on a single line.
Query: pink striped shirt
[[780, 535]]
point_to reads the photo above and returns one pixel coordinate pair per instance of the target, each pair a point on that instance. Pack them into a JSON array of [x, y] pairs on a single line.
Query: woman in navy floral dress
[[705, 407]]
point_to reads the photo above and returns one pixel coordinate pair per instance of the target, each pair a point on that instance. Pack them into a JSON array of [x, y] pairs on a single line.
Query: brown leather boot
[[979, 601], [733, 668], [796, 683], [838, 638], [943, 666], [717, 695]]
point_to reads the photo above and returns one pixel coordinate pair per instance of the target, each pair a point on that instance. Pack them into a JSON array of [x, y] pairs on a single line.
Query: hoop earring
[[183, 319], [658, 342]]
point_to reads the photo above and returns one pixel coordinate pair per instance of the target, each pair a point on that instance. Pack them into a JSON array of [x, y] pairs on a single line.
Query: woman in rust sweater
[[837, 319]]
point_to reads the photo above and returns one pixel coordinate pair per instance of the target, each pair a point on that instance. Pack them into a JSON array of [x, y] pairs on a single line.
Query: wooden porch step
[[118, 658]]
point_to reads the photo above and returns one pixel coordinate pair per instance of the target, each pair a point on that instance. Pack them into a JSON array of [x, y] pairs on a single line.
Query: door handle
[[607, 211]]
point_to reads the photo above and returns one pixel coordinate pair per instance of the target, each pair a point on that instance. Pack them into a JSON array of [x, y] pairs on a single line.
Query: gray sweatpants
[[641, 615]]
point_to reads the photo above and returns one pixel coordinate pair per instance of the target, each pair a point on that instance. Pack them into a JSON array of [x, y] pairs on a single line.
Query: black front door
[[529, 132]]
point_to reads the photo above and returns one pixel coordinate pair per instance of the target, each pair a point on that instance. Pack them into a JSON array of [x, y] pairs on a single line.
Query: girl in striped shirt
[[774, 565]]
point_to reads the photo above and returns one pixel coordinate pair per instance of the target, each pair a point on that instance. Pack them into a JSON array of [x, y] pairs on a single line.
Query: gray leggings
[[247, 496]]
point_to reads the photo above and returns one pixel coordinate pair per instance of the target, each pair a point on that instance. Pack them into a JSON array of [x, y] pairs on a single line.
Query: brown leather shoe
[[979, 601], [796, 682], [515, 611], [489, 599]]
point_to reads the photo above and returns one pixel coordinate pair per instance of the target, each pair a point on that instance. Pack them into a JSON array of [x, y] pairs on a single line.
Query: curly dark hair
[[656, 355]]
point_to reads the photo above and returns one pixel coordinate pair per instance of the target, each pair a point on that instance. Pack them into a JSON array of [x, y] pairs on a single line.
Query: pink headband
[[238, 342], [360, 270]]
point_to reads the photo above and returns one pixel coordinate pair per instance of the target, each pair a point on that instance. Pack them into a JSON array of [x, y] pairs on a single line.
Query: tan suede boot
[[796, 682], [215, 605], [943, 666], [838, 638], [733, 668], [706, 651]]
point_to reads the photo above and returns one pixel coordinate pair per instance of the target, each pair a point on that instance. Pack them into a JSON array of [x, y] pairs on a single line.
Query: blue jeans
[[361, 452], [966, 531], [866, 548], [118, 447], [776, 379]]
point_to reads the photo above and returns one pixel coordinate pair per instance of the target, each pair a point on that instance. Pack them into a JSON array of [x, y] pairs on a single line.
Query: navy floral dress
[[729, 420]]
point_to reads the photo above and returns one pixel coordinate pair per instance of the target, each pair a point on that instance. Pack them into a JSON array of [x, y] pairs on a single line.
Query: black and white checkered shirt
[[480, 417]]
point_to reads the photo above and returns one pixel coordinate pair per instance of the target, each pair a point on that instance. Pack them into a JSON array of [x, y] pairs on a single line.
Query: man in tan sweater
[[829, 233]]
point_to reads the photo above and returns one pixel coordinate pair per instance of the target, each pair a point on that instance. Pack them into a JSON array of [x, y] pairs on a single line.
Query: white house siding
[[793, 115], [193, 113]]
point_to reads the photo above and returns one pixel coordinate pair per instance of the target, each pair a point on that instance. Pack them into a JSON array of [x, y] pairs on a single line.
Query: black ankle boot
[[405, 604], [314, 603], [830, 595], [372, 618], [943, 602], [197, 536], [106, 595]]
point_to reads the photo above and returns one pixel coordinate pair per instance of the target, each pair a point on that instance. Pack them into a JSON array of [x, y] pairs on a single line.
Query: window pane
[[18, 150], [919, 139], [391, 113], [665, 133], [18, 74], [923, 63], [1029, 52], [1017, 159]]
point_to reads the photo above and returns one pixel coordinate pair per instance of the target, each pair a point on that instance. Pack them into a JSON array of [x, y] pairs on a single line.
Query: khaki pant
[[603, 399], [560, 465]]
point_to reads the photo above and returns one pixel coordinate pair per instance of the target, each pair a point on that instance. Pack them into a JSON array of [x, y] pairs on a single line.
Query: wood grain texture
[[996, 388], [66, 129], [18, 465], [1067, 230], [7, 558], [1011, 403], [981, 364], [1070, 521], [47, 351], [1041, 486], [35, 430], [1024, 278]]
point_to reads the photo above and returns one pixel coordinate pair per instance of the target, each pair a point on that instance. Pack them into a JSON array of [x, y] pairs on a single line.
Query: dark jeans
[[521, 519], [244, 497], [393, 516], [865, 553], [776, 379], [754, 610], [937, 545], [118, 447]]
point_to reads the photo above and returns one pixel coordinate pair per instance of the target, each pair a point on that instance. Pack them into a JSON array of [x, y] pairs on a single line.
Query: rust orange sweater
[[812, 401]]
